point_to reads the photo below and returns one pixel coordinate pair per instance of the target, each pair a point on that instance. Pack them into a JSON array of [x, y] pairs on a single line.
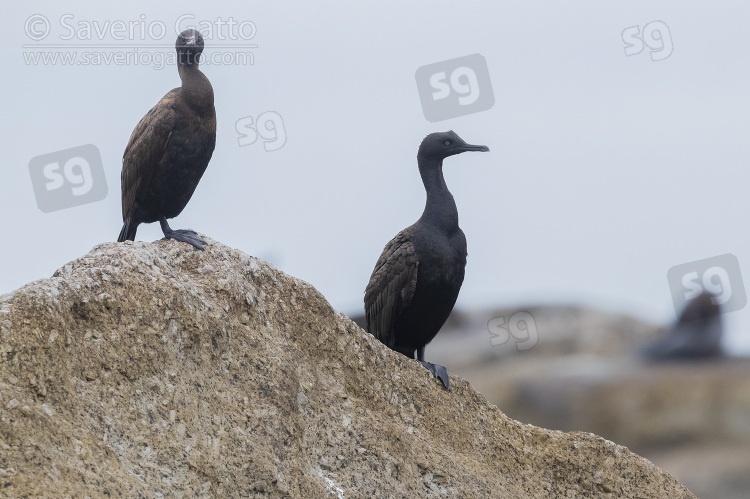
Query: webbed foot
[[184, 235], [438, 371]]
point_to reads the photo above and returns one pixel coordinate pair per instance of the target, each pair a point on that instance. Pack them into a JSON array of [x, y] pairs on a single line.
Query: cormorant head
[[189, 47], [703, 306], [440, 145]]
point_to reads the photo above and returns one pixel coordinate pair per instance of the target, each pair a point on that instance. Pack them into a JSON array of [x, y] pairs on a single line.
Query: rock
[[585, 373], [641, 405], [150, 369], [713, 469]]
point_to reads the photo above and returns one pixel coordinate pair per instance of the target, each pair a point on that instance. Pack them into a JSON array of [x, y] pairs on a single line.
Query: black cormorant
[[419, 274], [696, 334]]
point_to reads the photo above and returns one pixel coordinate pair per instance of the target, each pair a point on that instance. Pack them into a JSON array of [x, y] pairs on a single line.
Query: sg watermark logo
[[520, 326], [655, 36], [719, 275], [68, 178], [269, 126], [456, 87]]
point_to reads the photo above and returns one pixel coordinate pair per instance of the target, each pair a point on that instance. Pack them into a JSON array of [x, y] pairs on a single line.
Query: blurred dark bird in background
[[695, 335], [170, 149], [418, 276]]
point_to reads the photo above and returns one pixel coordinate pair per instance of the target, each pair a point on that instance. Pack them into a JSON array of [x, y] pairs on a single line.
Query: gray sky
[[605, 170]]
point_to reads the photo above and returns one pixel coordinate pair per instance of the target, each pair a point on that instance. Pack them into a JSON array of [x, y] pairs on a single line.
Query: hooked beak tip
[[469, 147]]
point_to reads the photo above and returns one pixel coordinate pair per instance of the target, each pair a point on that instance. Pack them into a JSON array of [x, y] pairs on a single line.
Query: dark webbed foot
[[186, 238], [184, 235], [438, 371], [186, 232]]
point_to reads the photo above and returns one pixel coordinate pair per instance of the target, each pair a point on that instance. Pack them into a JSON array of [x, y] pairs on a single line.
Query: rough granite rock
[[152, 369]]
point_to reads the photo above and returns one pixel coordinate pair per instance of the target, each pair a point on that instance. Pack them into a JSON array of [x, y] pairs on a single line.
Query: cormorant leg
[[186, 236], [124, 232], [437, 370]]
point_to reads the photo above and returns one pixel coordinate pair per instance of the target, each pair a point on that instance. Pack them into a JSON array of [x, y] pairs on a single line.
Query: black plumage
[[696, 334], [418, 276], [170, 149]]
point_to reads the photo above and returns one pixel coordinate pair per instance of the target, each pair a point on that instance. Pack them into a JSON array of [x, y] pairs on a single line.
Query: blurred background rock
[[585, 373]]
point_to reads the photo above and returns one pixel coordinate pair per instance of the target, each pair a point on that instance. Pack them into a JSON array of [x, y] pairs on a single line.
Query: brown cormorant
[[170, 149], [419, 274]]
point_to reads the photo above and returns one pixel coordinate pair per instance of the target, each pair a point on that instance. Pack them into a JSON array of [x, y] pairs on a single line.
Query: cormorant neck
[[440, 209], [196, 89]]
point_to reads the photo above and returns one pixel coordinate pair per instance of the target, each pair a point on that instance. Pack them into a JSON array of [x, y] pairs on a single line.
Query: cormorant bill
[[418, 276], [170, 149], [695, 335]]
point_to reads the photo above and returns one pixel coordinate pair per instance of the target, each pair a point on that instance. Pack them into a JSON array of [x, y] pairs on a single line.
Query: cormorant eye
[[447, 142]]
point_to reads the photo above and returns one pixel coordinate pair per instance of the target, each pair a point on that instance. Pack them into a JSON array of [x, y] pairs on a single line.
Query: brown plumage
[[169, 149]]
